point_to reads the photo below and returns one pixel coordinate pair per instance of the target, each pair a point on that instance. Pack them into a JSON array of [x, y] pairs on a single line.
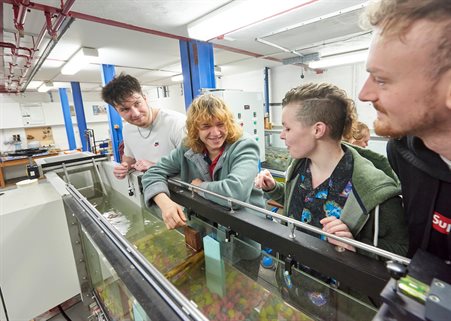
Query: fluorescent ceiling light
[[177, 78], [51, 63], [58, 84], [46, 86], [239, 14], [79, 60], [339, 60]]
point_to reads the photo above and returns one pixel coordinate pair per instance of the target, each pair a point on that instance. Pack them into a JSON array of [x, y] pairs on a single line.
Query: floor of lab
[[73, 310], [77, 312]]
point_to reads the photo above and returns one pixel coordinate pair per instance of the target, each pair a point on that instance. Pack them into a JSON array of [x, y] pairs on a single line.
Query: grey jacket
[[233, 175], [374, 187]]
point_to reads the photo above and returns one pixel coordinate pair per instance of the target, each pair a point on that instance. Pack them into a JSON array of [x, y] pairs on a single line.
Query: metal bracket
[[228, 233], [437, 305], [292, 229], [289, 262]]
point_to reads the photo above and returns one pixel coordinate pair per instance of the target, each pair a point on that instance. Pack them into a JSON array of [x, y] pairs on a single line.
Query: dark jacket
[[421, 172]]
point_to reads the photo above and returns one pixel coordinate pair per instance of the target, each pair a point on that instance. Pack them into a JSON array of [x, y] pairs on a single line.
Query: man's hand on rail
[[121, 170]]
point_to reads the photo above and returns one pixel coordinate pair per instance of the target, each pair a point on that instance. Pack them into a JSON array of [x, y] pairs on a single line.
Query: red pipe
[[108, 22], [20, 12], [52, 30], [14, 48], [64, 12]]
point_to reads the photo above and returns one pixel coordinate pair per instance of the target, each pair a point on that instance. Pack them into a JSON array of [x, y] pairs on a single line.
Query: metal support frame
[[366, 275], [266, 88], [54, 165], [141, 290], [80, 113], [405, 306], [80, 263], [158, 298], [114, 119], [198, 68], [67, 118]]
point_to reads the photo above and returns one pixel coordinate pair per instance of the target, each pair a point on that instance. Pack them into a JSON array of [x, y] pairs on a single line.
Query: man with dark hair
[[150, 133], [409, 84]]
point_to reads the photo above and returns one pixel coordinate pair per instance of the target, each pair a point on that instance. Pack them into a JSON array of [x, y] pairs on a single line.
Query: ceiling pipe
[[278, 47], [3, 77], [46, 52], [65, 12], [15, 54], [54, 29], [108, 22], [17, 37], [20, 9], [62, 16]]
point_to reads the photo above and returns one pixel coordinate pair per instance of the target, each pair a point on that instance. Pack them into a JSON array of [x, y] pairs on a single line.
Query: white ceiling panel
[[141, 37]]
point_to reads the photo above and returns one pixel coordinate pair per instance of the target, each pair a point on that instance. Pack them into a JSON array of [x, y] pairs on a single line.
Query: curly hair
[[395, 17], [120, 88], [324, 103], [360, 130], [203, 110]]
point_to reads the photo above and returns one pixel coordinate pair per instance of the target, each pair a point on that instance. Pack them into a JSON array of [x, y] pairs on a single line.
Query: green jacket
[[234, 173], [374, 185]]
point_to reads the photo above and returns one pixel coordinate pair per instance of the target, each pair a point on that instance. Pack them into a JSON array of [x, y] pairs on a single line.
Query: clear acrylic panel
[[233, 286]]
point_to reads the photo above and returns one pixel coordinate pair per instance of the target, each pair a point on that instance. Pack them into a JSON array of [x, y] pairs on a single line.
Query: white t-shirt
[[166, 133]]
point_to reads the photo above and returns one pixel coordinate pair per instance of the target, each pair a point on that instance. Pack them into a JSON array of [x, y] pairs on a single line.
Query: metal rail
[[292, 223], [187, 308]]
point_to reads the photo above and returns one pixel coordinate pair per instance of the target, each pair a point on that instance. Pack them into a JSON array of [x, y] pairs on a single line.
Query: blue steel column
[[114, 119], [80, 113], [67, 118], [266, 89], [198, 68]]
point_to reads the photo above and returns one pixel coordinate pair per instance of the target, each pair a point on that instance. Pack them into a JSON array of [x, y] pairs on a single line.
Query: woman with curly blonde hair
[[360, 135], [215, 156]]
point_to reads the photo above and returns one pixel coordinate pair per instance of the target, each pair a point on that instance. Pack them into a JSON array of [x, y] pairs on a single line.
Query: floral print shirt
[[310, 205]]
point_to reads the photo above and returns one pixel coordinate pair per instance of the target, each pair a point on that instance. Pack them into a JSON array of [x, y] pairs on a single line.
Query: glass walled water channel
[[223, 287]]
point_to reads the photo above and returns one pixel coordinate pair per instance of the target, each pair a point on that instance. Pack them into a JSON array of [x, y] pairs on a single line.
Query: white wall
[[249, 81], [175, 101], [12, 122], [282, 78]]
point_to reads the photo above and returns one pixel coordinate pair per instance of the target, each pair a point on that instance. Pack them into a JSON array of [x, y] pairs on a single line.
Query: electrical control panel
[[248, 109]]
